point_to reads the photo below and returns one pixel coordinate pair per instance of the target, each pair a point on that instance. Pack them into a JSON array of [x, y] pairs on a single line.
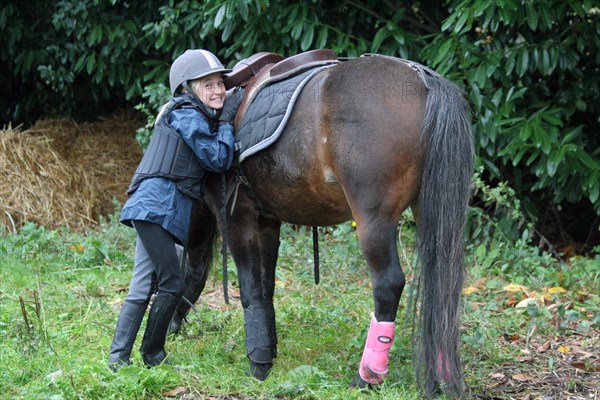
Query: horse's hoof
[[174, 327], [175, 324], [260, 371], [360, 383]]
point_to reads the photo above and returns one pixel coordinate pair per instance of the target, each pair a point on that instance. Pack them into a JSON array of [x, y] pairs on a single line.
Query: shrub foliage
[[530, 69]]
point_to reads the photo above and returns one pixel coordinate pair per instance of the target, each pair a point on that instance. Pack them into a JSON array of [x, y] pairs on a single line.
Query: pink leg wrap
[[374, 362]]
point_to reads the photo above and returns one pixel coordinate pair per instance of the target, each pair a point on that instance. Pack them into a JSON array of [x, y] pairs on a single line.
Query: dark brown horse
[[367, 139]]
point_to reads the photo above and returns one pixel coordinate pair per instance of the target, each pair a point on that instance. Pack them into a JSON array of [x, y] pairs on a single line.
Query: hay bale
[[60, 173]]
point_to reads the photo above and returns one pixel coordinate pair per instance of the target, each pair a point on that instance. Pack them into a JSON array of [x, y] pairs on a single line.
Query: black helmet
[[193, 64]]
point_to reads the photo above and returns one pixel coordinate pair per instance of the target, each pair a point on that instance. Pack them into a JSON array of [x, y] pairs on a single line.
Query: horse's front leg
[[377, 239], [254, 243]]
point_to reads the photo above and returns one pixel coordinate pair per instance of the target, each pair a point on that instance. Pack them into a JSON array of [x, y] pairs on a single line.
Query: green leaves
[[529, 68], [532, 15], [307, 37], [522, 62]]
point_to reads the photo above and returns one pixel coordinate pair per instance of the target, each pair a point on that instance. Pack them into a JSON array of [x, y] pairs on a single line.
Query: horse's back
[[351, 143]]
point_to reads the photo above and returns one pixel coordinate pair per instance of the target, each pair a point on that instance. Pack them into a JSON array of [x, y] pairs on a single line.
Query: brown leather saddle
[[261, 68]]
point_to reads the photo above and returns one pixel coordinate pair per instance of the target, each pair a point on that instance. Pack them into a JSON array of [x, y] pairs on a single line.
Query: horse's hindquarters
[[351, 147]]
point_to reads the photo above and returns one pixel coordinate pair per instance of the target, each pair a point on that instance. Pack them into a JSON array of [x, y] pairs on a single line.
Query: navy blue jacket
[[157, 199]]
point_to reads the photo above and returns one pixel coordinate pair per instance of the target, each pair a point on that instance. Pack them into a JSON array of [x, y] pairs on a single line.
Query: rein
[[315, 235], [223, 223]]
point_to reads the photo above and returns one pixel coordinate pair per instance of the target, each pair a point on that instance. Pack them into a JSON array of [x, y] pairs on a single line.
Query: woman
[[193, 134]]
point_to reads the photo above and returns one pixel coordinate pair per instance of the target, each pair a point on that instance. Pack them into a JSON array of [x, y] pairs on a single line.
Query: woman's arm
[[214, 149]]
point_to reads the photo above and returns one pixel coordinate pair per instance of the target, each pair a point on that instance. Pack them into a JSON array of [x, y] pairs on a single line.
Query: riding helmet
[[193, 64]]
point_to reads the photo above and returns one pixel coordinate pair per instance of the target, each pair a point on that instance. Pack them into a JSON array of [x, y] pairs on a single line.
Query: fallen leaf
[[522, 377], [586, 367], [564, 349], [470, 290], [175, 392], [480, 283], [476, 304], [546, 298], [498, 375], [523, 358], [216, 306], [526, 302], [511, 338], [544, 347], [512, 301], [557, 289], [513, 287]]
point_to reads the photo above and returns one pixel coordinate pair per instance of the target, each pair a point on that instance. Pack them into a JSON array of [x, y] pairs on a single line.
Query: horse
[[366, 140]]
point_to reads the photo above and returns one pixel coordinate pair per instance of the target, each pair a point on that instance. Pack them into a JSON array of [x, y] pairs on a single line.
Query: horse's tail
[[443, 202]]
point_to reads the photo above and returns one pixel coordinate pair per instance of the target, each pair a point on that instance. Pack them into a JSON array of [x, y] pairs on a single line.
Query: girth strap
[[315, 236]]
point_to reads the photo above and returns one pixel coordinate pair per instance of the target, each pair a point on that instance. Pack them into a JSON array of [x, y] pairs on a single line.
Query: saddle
[[264, 68]]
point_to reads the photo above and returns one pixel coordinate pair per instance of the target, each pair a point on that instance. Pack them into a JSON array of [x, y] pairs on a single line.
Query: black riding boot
[[126, 330], [153, 344]]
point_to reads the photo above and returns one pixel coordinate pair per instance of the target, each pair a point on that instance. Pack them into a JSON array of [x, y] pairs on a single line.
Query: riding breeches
[[156, 262]]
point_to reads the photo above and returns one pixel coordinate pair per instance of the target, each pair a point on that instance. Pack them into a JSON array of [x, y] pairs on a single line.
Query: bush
[[530, 71]]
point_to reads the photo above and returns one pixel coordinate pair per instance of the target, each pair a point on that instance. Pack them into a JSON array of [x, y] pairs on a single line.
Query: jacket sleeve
[[214, 149]]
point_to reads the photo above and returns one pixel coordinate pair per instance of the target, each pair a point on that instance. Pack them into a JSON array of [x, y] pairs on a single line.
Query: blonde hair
[[195, 85]]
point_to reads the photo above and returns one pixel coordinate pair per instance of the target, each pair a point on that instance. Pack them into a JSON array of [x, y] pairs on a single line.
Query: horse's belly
[[299, 198], [307, 209]]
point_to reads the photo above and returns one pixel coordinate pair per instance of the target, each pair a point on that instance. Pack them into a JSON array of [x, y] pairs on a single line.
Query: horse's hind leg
[[377, 236]]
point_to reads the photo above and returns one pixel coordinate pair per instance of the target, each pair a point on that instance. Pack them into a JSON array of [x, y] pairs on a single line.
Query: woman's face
[[211, 90]]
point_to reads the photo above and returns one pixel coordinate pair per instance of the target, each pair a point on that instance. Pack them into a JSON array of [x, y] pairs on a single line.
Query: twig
[[39, 307], [549, 245], [24, 312], [103, 325], [12, 222], [594, 228], [42, 318]]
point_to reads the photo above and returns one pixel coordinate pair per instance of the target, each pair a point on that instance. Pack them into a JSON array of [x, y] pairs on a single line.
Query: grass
[[60, 294]]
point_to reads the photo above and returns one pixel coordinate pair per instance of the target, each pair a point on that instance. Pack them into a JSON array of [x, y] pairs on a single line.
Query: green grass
[[60, 294]]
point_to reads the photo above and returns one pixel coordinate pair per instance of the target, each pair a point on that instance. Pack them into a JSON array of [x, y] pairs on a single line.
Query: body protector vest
[[168, 156]]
